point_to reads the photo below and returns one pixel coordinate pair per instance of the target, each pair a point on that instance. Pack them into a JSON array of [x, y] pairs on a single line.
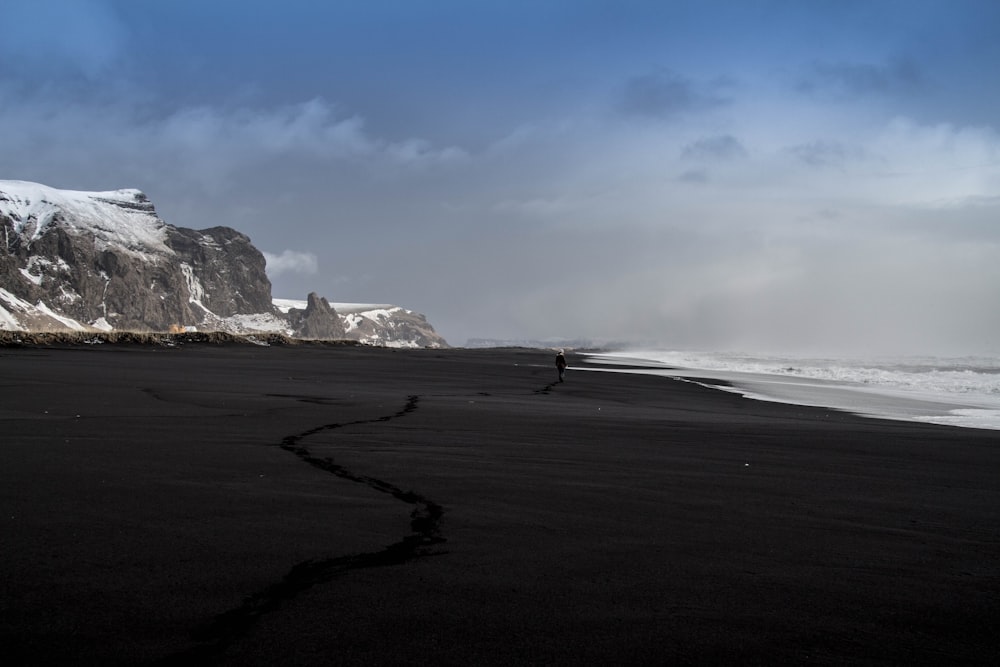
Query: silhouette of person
[[561, 365]]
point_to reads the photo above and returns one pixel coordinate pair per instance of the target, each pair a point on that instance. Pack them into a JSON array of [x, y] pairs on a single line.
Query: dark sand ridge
[[292, 505]]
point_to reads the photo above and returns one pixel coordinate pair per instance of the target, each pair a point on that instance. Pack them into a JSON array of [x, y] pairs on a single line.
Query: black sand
[[256, 506]]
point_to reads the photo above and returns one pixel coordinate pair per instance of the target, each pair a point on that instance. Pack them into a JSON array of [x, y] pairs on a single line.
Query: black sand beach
[[246, 505]]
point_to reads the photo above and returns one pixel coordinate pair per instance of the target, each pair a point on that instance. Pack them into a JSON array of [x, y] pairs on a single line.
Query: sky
[[803, 176]]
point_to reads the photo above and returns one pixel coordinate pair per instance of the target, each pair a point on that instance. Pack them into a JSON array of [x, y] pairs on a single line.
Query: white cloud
[[291, 261], [312, 128], [206, 149]]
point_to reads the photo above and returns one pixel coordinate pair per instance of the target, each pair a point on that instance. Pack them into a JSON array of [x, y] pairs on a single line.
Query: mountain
[[105, 261]]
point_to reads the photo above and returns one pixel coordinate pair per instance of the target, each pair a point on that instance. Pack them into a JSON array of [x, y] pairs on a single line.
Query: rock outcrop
[[318, 320]]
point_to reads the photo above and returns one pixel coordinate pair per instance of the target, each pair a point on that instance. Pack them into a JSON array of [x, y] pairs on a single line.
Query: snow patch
[[35, 279], [8, 322], [259, 322], [284, 305], [37, 266], [102, 324], [65, 321], [352, 322], [19, 305], [67, 295], [119, 218], [365, 307], [196, 292], [14, 302]]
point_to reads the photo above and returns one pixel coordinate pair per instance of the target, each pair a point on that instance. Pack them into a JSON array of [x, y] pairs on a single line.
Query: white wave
[[939, 375], [963, 391]]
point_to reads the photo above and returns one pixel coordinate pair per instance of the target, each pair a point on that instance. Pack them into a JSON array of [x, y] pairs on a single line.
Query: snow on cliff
[[121, 218]]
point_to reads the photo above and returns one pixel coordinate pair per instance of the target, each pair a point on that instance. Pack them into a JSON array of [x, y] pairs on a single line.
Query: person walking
[[561, 365]]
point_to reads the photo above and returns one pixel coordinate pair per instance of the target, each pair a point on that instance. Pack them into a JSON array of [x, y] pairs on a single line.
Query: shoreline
[[243, 505], [866, 399]]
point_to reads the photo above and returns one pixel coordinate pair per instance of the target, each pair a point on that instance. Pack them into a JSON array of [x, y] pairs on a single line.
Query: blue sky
[[785, 175]]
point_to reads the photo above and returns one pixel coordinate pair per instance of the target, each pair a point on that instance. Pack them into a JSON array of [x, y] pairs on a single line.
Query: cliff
[[72, 260]]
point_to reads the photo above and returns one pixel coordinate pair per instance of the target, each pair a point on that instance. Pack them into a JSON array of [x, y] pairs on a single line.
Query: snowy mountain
[[105, 261]]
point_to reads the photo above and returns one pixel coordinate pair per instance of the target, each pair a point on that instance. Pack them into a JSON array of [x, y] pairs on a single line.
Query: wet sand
[[301, 505]]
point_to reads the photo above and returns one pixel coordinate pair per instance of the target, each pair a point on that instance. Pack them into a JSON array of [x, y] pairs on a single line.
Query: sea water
[[959, 391]]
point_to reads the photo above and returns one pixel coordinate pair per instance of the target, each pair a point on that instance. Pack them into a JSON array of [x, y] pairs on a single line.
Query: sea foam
[[959, 391]]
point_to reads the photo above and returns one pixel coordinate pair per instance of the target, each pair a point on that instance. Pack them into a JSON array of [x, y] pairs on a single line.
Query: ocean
[[957, 391]]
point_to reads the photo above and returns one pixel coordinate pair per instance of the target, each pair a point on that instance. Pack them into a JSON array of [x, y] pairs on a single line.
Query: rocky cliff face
[[106, 261], [389, 325], [226, 271]]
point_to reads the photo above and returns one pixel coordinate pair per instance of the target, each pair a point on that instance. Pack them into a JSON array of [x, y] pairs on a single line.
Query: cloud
[[666, 94], [290, 261], [693, 176], [826, 153], [421, 153], [722, 147], [849, 80], [313, 127], [204, 149]]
